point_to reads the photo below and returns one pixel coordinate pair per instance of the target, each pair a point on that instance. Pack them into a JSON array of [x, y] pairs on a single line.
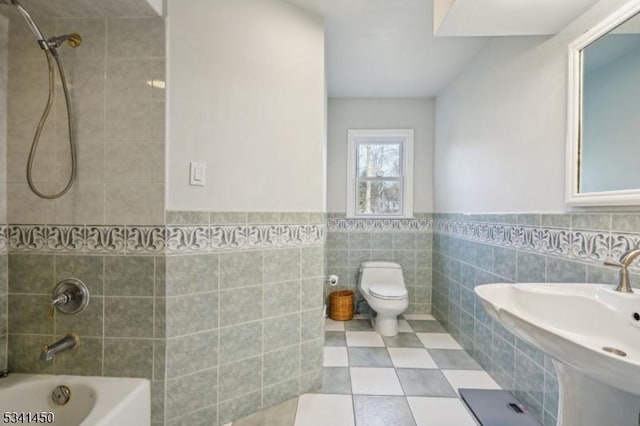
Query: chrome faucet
[[625, 261], [70, 341]]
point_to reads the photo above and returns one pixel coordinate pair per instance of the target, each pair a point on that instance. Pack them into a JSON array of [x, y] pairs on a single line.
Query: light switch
[[197, 173]]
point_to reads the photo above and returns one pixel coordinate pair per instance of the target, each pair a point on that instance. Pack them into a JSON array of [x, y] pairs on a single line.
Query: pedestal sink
[[591, 332]]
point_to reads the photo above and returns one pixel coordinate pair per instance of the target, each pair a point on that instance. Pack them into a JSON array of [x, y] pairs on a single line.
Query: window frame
[[357, 137]]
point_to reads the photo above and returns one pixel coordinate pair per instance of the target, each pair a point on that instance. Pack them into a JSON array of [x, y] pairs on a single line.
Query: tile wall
[[116, 80], [117, 89], [121, 332], [406, 241], [469, 250], [4, 38], [244, 325], [223, 308]]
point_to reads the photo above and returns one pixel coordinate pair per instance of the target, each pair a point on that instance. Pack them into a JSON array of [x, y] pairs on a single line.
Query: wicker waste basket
[[341, 305]]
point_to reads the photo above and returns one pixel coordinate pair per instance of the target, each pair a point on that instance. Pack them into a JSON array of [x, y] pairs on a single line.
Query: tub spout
[[70, 341]]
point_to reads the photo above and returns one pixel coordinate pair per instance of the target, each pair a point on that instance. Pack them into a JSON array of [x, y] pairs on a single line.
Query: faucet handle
[[52, 311], [613, 262]]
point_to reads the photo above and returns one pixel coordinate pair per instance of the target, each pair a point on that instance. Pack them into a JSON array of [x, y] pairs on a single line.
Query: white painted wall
[[246, 96], [344, 114], [500, 132]]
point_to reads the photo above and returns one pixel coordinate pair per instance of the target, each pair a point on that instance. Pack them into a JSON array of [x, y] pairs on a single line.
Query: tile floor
[[407, 380]]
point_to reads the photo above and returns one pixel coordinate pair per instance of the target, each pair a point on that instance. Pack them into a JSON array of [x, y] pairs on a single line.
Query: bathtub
[[94, 401]]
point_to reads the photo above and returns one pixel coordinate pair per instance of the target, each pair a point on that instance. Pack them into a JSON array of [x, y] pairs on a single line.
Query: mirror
[[604, 113]]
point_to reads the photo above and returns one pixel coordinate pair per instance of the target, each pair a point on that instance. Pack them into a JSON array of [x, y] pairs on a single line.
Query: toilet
[[382, 286]]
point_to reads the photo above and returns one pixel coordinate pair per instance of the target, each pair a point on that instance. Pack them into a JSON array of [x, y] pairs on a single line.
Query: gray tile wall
[[346, 250], [122, 331], [4, 38], [459, 264], [230, 331], [244, 327], [115, 77]]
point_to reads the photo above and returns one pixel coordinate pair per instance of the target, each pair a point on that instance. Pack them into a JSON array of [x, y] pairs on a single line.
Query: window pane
[[378, 160], [379, 197]]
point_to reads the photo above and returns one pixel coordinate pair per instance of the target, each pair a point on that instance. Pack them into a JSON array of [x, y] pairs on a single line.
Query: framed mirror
[[603, 131]]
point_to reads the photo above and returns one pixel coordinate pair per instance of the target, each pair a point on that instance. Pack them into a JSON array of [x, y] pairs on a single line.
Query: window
[[380, 173]]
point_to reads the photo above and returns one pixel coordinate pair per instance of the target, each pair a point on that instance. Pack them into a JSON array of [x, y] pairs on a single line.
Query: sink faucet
[[70, 341], [625, 261]]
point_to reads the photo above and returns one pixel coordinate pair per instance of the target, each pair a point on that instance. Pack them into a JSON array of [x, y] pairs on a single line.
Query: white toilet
[[382, 286]]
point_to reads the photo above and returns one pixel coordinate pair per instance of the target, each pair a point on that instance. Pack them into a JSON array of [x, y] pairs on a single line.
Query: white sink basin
[[573, 323]]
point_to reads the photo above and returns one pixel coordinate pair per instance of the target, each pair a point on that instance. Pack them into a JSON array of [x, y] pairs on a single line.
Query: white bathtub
[[95, 401]]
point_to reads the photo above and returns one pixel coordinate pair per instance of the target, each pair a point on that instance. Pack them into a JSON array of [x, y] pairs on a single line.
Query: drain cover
[[614, 351]]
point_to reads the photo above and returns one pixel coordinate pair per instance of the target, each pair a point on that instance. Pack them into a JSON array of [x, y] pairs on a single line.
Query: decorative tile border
[[141, 240], [190, 239], [380, 225], [589, 246]]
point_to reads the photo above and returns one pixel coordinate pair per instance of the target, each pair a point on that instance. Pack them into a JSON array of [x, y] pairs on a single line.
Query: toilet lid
[[388, 291]]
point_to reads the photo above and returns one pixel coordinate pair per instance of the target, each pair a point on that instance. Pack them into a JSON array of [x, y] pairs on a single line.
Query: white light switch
[[197, 173]]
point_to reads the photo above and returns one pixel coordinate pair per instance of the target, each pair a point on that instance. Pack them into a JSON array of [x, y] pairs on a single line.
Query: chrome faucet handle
[[60, 299], [70, 296], [613, 262]]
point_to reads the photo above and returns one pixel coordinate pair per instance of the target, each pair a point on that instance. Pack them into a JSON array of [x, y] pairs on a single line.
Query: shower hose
[[51, 56]]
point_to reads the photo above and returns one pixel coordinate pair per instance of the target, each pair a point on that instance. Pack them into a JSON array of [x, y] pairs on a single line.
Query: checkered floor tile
[[410, 379]]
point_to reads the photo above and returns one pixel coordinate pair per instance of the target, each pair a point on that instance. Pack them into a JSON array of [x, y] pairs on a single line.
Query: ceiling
[[384, 48], [506, 17]]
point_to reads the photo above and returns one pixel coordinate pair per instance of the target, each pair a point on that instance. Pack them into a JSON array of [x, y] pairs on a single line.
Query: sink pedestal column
[[588, 402]]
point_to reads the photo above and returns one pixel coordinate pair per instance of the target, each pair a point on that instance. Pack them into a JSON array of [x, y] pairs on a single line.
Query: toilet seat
[[388, 291]]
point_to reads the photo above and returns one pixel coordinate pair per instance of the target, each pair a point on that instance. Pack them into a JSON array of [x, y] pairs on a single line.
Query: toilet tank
[[380, 272]]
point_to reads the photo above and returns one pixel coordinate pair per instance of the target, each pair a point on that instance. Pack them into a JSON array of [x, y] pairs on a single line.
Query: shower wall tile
[[128, 358], [4, 77], [23, 206], [484, 258], [84, 203], [31, 273], [116, 79], [122, 8], [128, 316], [88, 323], [129, 276], [135, 37], [87, 362], [4, 306], [123, 330], [93, 32], [353, 241], [116, 331]]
